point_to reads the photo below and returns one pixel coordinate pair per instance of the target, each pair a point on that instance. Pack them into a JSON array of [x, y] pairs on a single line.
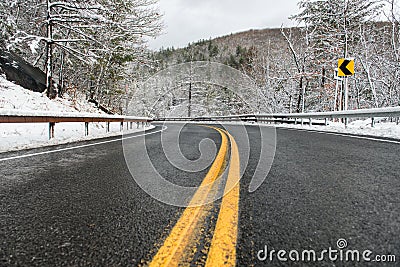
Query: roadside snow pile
[[13, 96], [15, 136], [382, 128]]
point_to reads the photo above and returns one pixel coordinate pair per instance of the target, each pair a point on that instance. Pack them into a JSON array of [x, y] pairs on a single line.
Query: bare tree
[[101, 34]]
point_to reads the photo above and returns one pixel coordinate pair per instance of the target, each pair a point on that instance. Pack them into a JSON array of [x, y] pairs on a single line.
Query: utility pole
[[190, 92], [190, 100]]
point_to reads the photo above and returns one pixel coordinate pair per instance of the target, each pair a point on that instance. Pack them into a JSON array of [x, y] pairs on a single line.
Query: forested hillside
[[295, 67]]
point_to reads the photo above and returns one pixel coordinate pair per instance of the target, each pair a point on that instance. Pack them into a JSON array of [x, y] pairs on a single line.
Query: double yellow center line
[[222, 251]]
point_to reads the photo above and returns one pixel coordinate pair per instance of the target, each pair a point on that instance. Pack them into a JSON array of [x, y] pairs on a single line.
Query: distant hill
[[260, 39], [295, 70], [234, 49], [253, 52]]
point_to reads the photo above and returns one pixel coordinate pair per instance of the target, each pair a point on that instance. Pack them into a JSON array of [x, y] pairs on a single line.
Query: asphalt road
[[81, 207]]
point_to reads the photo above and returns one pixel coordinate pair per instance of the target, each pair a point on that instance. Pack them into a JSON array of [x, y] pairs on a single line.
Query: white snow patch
[[15, 100], [34, 46], [383, 128]]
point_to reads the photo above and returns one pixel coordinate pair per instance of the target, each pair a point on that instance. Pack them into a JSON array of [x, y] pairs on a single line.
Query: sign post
[[346, 68], [339, 80]]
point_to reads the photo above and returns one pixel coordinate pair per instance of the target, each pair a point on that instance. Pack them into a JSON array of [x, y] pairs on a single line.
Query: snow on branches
[[62, 35]]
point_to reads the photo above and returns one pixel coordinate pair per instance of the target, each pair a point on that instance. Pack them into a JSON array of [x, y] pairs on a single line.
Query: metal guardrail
[[393, 112], [15, 116]]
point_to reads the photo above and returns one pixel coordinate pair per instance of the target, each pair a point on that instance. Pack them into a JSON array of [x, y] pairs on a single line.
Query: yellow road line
[[223, 247], [174, 246]]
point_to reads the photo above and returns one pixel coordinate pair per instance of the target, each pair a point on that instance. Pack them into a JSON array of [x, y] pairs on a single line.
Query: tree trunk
[[61, 76], [299, 100], [51, 92]]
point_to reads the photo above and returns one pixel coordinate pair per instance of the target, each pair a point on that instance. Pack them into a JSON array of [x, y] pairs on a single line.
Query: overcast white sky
[[191, 20]]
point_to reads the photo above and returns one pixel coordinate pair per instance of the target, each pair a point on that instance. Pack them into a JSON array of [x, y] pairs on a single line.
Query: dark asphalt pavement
[[322, 188], [81, 207]]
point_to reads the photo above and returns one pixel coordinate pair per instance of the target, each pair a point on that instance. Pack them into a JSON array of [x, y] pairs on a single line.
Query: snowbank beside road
[[359, 127], [15, 136]]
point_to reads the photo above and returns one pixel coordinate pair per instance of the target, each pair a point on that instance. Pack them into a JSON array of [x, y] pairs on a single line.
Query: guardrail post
[[295, 121], [310, 122], [51, 130], [86, 128], [372, 122], [131, 125], [346, 122], [121, 127], [326, 122], [397, 120], [108, 127]]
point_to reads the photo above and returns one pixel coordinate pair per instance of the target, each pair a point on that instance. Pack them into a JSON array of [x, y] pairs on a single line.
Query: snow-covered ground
[[15, 136], [382, 128]]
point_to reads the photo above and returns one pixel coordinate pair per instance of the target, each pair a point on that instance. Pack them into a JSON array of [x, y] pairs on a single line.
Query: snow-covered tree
[[379, 60], [334, 24], [333, 27], [5, 23], [124, 39], [98, 33]]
